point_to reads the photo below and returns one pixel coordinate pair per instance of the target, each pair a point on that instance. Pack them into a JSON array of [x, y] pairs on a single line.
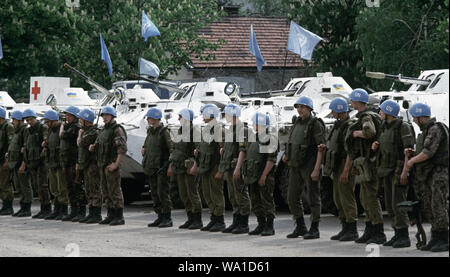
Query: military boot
[[313, 232], [351, 233], [166, 221], [56, 209], [233, 225], [39, 213], [73, 213], [442, 242], [109, 217], [86, 218], [196, 221], [20, 210], [156, 222], [81, 214], [212, 221], [268, 228], [219, 226], [342, 232], [367, 233], [300, 228], [378, 236], [432, 242], [96, 216], [63, 211], [118, 217], [7, 208], [188, 223], [261, 224], [46, 210], [242, 227], [393, 239], [402, 239], [26, 212]]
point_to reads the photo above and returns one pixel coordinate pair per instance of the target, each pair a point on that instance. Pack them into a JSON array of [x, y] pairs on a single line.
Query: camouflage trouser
[[344, 196], [435, 195], [6, 188], [77, 196], [58, 188], [22, 183], [370, 202], [395, 193], [159, 189], [238, 194], [188, 190], [213, 192], [262, 200], [92, 184], [299, 179], [39, 175], [111, 189]]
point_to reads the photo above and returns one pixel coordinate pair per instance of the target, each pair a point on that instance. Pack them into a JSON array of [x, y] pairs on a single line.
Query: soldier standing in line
[[15, 159], [6, 189], [58, 188], [258, 174], [304, 157], [232, 156], [180, 163], [68, 154], [359, 139], [112, 147], [156, 154], [87, 166], [207, 163], [395, 136], [431, 162], [33, 151], [337, 165]]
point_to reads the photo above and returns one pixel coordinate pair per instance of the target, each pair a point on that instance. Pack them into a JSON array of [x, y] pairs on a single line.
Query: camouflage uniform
[[111, 142], [6, 189], [58, 188]]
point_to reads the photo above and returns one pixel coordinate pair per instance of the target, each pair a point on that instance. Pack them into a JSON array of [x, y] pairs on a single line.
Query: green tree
[[403, 37]]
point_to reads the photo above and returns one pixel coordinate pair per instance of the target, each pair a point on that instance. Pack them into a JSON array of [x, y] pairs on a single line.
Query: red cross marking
[[35, 90]]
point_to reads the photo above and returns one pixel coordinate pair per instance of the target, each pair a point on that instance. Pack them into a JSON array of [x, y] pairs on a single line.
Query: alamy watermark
[[73, 3]]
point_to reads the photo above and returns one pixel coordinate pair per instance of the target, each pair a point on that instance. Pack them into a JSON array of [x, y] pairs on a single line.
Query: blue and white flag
[[105, 55], [302, 41], [148, 28], [253, 48], [1, 50], [148, 68]]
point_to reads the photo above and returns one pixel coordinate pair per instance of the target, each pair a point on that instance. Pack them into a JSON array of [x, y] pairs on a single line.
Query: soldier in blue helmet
[[111, 147], [303, 155], [15, 159], [359, 139], [33, 146], [156, 153], [431, 177], [336, 163], [395, 136], [6, 189]]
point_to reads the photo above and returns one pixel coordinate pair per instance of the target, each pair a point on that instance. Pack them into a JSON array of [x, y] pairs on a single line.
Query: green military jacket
[[235, 138], [68, 147], [369, 123], [184, 150], [52, 153], [85, 157], [336, 154], [6, 135], [15, 155], [111, 142], [209, 150], [158, 146], [33, 138]]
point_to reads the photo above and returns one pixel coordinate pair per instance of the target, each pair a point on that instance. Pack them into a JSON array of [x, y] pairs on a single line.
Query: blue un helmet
[[420, 109], [390, 107], [210, 110], [73, 111], [17, 115], [108, 110], [261, 119], [28, 113], [2, 113], [87, 115], [359, 95], [233, 110], [51, 115], [306, 101], [339, 105], [154, 113], [186, 114]]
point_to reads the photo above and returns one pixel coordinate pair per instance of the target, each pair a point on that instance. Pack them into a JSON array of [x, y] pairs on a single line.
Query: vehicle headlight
[[230, 88]]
